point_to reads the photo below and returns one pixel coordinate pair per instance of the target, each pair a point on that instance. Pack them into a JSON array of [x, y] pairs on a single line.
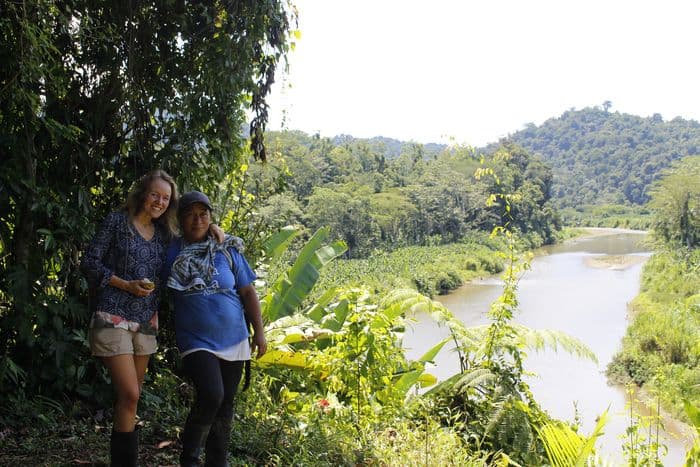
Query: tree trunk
[[686, 235], [24, 229]]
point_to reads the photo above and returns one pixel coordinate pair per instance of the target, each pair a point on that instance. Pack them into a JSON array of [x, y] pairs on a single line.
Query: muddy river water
[[582, 288]]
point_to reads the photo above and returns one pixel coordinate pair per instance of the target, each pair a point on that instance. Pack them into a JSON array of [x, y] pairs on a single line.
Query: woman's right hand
[[140, 287]]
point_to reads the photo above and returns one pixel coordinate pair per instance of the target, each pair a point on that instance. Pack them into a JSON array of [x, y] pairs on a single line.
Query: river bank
[[606, 261], [660, 352], [440, 269], [582, 287], [650, 404]]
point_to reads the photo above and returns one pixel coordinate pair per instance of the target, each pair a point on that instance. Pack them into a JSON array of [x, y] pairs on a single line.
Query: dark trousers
[[215, 382]]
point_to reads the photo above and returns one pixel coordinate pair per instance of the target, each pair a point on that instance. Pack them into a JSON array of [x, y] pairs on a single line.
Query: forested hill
[[601, 157], [375, 199]]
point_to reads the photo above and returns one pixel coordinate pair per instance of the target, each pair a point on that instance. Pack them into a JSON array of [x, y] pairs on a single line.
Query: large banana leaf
[[284, 358], [278, 243], [318, 309], [289, 292]]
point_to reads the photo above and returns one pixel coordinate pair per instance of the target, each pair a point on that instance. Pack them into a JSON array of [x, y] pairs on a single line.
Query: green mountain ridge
[[600, 157], [597, 156]]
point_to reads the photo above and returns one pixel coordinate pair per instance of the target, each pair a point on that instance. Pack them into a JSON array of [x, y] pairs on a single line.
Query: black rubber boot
[[193, 438], [124, 448], [217, 443]]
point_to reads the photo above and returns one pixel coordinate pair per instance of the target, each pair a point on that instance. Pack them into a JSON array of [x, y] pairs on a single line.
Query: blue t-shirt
[[212, 318]]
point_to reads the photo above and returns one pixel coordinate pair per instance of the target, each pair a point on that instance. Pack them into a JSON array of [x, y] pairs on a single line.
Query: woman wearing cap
[[212, 289], [123, 265]]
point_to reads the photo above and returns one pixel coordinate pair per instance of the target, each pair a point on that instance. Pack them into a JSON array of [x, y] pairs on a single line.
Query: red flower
[[324, 405]]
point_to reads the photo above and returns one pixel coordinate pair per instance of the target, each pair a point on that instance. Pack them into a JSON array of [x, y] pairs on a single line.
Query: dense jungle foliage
[[602, 157], [375, 202], [92, 97]]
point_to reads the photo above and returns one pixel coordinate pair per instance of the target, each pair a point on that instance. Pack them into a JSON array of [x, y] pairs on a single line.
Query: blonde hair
[[137, 197]]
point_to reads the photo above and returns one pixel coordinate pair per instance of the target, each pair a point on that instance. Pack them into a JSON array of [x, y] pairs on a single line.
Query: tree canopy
[[602, 157], [375, 199], [675, 203], [93, 95]]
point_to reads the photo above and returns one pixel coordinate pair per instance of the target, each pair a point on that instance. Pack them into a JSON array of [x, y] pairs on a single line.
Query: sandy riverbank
[[597, 231], [613, 262]]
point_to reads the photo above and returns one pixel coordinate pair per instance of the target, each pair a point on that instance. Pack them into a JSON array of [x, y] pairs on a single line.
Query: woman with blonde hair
[[123, 265]]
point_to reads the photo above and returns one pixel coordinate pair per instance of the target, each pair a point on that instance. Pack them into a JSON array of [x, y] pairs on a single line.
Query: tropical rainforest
[[348, 236], [603, 157], [604, 163]]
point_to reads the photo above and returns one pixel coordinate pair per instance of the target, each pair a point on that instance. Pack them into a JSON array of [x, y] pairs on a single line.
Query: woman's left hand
[[260, 344], [217, 232]]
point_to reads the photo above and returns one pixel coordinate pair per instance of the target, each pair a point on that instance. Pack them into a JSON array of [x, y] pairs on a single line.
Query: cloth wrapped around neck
[[194, 266]]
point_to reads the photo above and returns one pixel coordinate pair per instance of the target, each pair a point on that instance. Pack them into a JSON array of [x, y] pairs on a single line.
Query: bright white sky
[[477, 70]]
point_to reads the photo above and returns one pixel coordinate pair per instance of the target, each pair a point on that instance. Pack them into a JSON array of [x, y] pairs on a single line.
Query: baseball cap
[[191, 197]]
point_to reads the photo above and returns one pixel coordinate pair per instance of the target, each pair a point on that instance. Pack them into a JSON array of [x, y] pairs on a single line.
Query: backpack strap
[[248, 324]]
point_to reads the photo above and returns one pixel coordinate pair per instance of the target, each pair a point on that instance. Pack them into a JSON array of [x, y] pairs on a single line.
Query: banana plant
[[286, 321], [288, 293], [295, 330], [416, 373]]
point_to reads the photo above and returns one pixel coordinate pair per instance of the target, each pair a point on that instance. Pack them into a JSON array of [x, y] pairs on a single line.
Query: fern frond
[[474, 378], [540, 339], [464, 381]]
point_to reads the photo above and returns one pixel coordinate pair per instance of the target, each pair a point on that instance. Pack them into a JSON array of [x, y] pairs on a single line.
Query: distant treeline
[[596, 166], [374, 198]]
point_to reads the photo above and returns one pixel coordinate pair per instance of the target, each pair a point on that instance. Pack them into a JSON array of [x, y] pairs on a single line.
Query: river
[[581, 287]]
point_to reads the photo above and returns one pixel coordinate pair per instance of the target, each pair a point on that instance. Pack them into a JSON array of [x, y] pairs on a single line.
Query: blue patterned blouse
[[118, 248]]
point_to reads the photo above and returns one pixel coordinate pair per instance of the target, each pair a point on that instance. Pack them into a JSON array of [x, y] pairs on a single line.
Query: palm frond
[[565, 447], [561, 443]]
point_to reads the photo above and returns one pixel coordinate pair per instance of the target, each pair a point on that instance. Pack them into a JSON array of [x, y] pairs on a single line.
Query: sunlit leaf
[[284, 358]]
